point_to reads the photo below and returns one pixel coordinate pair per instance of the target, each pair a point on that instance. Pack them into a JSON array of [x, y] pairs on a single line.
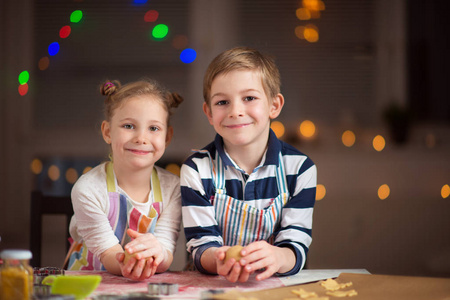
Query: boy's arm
[[200, 225], [296, 223]]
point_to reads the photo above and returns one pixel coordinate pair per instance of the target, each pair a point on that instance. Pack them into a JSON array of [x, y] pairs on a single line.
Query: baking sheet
[[368, 287]]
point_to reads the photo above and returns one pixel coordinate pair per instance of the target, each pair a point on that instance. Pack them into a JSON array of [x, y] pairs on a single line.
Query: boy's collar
[[273, 148]]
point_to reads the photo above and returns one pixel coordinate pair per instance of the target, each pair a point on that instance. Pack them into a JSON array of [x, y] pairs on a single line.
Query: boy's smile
[[240, 110]]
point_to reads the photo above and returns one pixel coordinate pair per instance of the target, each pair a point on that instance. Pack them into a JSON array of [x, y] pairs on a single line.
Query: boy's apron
[[239, 222], [122, 215]]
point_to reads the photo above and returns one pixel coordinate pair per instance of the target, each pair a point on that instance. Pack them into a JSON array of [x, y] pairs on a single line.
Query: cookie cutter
[[162, 288]]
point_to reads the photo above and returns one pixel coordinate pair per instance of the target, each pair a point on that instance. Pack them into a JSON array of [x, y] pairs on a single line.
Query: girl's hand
[[147, 254], [233, 271], [261, 255]]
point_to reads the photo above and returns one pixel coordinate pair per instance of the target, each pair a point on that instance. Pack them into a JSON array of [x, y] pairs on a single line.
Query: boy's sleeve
[[200, 225], [296, 223]]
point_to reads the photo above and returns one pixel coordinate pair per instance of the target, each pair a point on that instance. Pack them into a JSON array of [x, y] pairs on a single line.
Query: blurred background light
[[300, 32], [188, 55], [53, 172], [303, 14], [64, 31], [445, 191], [278, 128], [53, 49], [36, 166], [321, 191], [24, 76], [87, 169], [430, 140], [383, 191], [180, 41], [140, 1], [174, 169], [23, 89], [379, 143], [311, 33], [71, 175], [348, 138], [43, 63], [76, 16], [151, 16], [160, 31], [307, 129]]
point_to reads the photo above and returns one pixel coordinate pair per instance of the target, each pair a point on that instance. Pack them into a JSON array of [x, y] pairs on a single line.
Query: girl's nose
[[140, 137]]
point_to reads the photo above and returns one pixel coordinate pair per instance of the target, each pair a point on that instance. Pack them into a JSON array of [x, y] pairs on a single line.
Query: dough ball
[[234, 252], [127, 257]]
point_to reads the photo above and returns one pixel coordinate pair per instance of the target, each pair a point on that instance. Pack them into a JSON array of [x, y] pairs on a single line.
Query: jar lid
[[16, 254]]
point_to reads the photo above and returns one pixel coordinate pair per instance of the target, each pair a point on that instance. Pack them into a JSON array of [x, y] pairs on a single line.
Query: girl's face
[[138, 132]]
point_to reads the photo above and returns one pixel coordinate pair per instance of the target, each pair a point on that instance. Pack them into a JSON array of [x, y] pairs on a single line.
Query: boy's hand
[[146, 255], [262, 255], [233, 271]]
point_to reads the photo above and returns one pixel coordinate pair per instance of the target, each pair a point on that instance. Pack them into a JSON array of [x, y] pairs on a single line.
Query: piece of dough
[[234, 252], [349, 293], [127, 257], [333, 285]]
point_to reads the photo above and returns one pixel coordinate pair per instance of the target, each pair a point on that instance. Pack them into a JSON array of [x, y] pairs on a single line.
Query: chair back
[[46, 205]]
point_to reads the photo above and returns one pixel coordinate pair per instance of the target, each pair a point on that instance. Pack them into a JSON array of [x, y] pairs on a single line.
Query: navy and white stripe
[[197, 189]]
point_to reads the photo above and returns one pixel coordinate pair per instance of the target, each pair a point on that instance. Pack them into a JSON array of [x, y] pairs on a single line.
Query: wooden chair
[[46, 205]]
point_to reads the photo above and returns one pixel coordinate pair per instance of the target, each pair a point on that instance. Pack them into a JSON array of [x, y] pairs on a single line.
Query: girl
[[128, 211]]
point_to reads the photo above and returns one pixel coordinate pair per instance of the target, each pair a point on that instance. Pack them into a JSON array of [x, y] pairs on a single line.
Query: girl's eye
[[154, 128], [128, 126], [249, 98]]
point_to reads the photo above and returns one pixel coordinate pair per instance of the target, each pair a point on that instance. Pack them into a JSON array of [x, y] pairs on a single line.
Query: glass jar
[[16, 275]]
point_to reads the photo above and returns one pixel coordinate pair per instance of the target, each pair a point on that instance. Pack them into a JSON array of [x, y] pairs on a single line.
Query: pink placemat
[[190, 283]]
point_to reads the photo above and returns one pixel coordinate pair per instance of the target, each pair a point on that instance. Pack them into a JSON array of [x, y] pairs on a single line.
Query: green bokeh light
[[160, 31], [76, 16], [24, 76]]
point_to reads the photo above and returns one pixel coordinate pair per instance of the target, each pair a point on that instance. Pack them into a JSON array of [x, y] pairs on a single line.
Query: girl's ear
[[106, 132], [207, 111], [276, 106], [169, 135]]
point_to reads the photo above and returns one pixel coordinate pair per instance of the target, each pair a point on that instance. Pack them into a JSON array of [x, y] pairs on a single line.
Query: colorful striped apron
[[122, 215], [239, 222]]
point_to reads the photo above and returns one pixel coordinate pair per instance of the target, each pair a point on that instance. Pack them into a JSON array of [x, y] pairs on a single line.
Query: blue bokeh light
[[53, 49], [140, 1], [188, 55]]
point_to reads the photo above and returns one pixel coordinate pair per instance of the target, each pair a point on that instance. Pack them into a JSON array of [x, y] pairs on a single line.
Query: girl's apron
[[122, 215], [239, 222]]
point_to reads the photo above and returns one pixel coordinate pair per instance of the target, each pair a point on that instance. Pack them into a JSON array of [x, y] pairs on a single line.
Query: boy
[[247, 187]]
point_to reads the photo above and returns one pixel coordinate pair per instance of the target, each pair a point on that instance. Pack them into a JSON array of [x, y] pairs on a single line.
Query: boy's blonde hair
[[247, 59]]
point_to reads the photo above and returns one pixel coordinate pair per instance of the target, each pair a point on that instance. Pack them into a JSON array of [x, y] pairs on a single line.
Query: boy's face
[[239, 108]]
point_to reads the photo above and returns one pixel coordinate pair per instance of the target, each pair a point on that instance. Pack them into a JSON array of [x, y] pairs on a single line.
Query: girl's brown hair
[[116, 94]]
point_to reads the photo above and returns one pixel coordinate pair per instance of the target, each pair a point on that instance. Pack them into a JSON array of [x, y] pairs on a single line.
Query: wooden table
[[192, 284]]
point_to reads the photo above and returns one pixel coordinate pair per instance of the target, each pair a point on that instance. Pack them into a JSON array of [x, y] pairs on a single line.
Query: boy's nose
[[236, 110]]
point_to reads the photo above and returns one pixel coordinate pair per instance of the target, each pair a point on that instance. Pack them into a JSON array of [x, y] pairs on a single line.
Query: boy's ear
[[276, 106], [207, 111], [169, 135], [106, 132]]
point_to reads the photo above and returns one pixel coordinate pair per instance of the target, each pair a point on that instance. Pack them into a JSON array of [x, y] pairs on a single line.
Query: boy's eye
[[222, 102], [249, 98], [128, 126]]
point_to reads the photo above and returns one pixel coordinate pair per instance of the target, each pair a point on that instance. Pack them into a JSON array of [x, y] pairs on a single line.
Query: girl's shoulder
[[95, 177], [165, 175]]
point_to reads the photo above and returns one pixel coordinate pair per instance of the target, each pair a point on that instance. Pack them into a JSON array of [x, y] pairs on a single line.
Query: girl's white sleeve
[[90, 204], [168, 225]]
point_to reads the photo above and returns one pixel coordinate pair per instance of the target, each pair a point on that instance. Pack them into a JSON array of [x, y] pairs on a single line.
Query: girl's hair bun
[[109, 87], [176, 100]]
